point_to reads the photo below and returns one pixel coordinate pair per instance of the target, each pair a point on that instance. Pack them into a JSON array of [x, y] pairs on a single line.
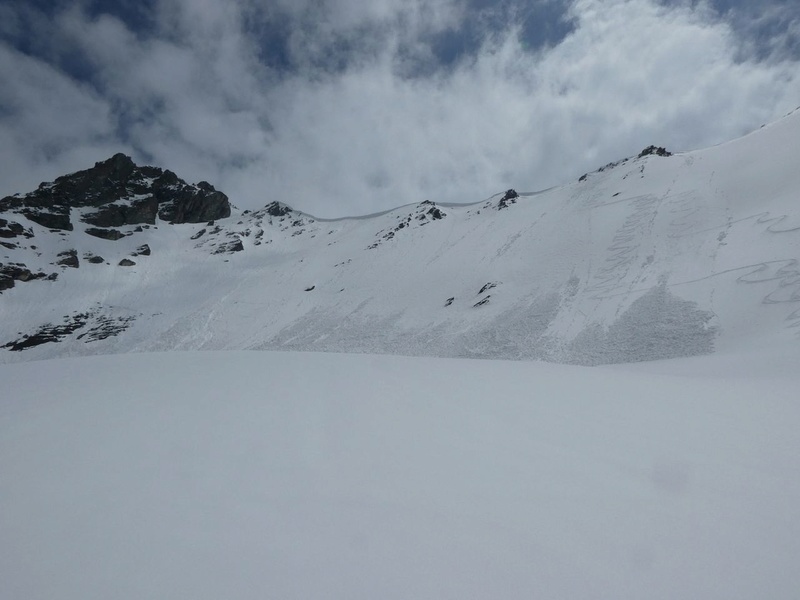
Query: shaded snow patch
[[656, 326]]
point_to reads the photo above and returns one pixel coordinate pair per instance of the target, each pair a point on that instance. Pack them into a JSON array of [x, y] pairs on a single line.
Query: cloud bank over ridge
[[341, 108]]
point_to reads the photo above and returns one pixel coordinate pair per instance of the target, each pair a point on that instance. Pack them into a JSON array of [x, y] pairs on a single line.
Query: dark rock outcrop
[[276, 209], [193, 204], [16, 271], [13, 272], [425, 212], [48, 333], [126, 262], [510, 197], [105, 327], [429, 209], [487, 287], [230, 247], [98, 327], [120, 193], [654, 151], [138, 210], [12, 229], [68, 258], [436, 213], [105, 234], [55, 218]]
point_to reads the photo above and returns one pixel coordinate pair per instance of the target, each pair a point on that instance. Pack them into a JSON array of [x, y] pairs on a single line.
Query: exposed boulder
[[126, 262], [435, 213], [12, 229], [68, 258], [143, 250], [16, 271], [230, 247], [105, 234], [13, 272]]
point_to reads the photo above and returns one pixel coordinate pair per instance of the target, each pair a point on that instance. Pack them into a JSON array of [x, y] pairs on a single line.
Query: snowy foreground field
[[289, 475]]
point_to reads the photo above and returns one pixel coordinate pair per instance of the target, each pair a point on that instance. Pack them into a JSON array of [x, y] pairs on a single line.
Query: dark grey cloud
[[341, 107]]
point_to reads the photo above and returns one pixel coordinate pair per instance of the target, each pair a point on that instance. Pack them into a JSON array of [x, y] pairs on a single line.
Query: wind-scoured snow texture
[[254, 475], [656, 256]]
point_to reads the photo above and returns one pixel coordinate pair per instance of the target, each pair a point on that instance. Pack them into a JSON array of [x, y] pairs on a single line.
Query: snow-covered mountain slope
[[254, 475], [652, 257]]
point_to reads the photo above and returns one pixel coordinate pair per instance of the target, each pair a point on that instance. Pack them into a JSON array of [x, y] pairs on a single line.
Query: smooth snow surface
[[290, 475]]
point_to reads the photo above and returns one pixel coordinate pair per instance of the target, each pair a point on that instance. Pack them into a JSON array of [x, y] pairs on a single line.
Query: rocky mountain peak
[[117, 168], [117, 192]]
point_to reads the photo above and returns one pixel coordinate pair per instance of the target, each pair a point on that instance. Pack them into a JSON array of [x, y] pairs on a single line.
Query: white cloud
[[366, 135], [631, 73], [49, 124], [342, 15]]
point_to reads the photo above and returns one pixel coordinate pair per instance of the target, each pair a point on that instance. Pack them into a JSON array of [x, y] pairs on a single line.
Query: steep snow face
[[653, 257], [287, 475]]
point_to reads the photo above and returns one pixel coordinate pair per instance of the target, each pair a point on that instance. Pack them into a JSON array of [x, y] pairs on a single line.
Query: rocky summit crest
[[117, 192]]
